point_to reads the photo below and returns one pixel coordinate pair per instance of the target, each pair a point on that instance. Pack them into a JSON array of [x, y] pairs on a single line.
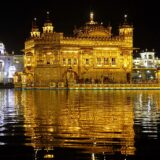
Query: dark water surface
[[79, 125]]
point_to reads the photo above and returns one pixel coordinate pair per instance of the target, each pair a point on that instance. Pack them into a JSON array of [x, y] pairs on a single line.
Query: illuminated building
[[146, 66], [92, 55], [9, 64], [2, 48]]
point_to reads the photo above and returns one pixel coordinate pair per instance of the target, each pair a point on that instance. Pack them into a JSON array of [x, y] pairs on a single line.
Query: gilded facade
[[92, 55]]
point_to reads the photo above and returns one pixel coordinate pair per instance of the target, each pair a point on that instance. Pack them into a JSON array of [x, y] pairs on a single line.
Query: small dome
[[93, 29]]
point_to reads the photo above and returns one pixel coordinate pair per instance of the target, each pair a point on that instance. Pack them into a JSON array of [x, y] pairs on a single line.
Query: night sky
[[16, 19]]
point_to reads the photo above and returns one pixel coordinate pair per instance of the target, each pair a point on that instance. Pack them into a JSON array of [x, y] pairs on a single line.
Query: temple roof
[[93, 29]]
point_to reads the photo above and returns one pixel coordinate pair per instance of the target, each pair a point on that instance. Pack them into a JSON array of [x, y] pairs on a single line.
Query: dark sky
[[16, 18]]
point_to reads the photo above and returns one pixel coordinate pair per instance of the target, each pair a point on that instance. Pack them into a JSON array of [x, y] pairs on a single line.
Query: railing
[[62, 85], [116, 86]]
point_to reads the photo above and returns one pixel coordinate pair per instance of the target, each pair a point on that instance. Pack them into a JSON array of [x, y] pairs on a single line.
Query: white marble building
[[145, 66], [9, 64]]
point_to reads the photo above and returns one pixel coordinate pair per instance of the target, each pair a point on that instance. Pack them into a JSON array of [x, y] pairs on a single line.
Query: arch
[[29, 54], [70, 76]]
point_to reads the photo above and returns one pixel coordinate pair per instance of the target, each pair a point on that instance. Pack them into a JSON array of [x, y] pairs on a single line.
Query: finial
[[91, 22], [34, 23], [125, 18], [47, 12], [91, 16], [48, 16]]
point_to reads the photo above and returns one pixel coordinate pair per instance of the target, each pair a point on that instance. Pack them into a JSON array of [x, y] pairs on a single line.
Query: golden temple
[[92, 55]]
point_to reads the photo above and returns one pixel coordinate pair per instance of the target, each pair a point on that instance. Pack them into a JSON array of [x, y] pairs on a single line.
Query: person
[[40, 154]]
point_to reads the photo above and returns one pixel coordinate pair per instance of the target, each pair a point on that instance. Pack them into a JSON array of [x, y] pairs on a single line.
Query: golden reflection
[[97, 121]]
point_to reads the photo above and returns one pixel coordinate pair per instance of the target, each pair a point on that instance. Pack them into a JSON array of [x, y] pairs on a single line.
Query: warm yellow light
[[91, 16], [74, 59]]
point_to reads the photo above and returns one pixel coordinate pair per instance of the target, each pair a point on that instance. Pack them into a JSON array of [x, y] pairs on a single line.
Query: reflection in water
[[90, 120], [8, 116], [86, 124], [147, 120], [146, 114]]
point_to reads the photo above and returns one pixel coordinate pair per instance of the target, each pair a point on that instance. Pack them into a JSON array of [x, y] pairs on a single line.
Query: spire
[[125, 23], [48, 17], [126, 31], [92, 19], [48, 27], [125, 19], [35, 30], [34, 23]]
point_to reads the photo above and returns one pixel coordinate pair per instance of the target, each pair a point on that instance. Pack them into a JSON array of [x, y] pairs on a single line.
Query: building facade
[[9, 64], [146, 67], [92, 55]]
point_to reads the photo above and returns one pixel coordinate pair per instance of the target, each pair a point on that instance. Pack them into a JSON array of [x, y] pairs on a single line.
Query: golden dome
[[93, 29]]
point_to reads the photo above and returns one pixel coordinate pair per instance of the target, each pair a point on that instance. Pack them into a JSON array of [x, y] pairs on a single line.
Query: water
[[79, 125]]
